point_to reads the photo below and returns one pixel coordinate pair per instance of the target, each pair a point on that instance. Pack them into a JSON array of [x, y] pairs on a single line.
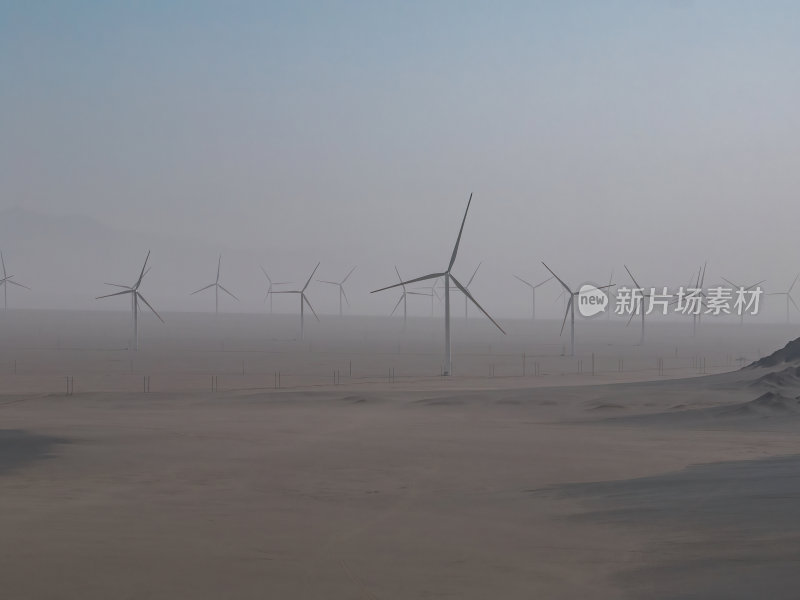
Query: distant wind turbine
[[133, 290], [642, 307], [5, 281], [217, 287], [570, 310], [404, 298], [342, 293], [745, 288], [269, 287], [788, 294], [448, 365], [303, 301], [533, 293]]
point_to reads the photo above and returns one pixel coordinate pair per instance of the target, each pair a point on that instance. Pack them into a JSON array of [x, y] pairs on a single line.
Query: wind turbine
[[269, 287], [404, 298], [217, 287], [533, 293], [746, 289], [303, 300], [448, 365], [788, 294], [341, 289], [133, 290], [432, 293], [642, 309], [5, 281], [570, 310]]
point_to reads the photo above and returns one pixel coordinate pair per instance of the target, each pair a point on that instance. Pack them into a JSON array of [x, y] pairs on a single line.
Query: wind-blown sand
[[675, 488]]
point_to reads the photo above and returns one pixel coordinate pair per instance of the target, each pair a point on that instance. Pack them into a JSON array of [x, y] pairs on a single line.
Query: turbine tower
[[303, 301], [136, 295], [269, 287], [788, 294], [447, 274], [341, 288], [217, 287], [746, 289], [533, 293], [570, 310], [5, 281]]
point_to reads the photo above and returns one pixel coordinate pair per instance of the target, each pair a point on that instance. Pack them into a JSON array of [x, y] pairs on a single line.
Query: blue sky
[[364, 124]]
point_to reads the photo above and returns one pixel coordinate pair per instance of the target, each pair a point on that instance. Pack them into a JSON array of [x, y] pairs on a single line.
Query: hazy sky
[[660, 134]]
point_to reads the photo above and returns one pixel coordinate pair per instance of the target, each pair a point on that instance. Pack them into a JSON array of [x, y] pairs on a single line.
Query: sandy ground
[[561, 485]]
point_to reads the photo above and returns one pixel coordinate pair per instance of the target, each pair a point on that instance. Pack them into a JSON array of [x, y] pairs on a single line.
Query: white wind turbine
[[303, 301], [746, 289], [136, 295], [404, 298], [217, 287], [570, 310], [788, 294], [269, 287], [533, 293], [448, 276], [342, 293], [5, 281]]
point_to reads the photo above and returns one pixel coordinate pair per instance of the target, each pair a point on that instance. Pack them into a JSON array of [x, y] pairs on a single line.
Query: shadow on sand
[[19, 448], [721, 530]]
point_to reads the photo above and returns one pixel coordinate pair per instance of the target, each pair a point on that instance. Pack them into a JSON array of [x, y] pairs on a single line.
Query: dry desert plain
[[663, 471]]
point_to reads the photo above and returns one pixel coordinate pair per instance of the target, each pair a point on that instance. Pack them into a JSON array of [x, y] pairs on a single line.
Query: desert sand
[[671, 472]]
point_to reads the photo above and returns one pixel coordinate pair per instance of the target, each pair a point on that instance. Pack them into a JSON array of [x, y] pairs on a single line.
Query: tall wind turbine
[[341, 288], [217, 287], [448, 364], [303, 300], [5, 281], [404, 298], [642, 307], [746, 289], [570, 310], [788, 294], [136, 295], [269, 287], [533, 293]]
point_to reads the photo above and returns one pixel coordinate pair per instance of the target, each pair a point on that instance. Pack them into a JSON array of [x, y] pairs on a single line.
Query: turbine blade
[[219, 264], [794, 282], [394, 310], [222, 287], [465, 291], [729, 282], [331, 282], [530, 285], [210, 285], [703, 278], [143, 299], [141, 274], [115, 294], [795, 304], [287, 292], [398, 276], [12, 282], [350, 273], [473, 275], [341, 287], [309, 279], [458, 239], [755, 284], [636, 283], [309, 306], [3, 260], [566, 287], [542, 283], [265, 273], [410, 281], [127, 287], [633, 314], [566, 312]]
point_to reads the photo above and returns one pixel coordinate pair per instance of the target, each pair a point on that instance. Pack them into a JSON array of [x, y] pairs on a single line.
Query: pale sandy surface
[[470, 487]]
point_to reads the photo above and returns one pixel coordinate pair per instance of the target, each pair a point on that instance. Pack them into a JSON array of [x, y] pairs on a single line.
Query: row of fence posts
[[696, 362]]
